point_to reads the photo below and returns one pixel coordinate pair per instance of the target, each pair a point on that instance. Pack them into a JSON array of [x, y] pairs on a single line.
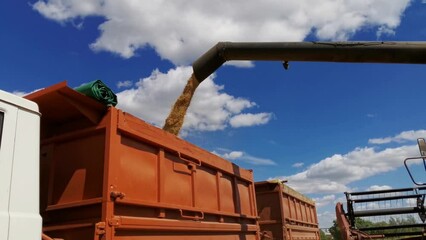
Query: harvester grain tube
[[356, 52]]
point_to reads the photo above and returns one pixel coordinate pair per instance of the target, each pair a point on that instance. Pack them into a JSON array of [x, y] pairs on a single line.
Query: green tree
[[335, 231], [402, 221], [362, 223], [322, 235]]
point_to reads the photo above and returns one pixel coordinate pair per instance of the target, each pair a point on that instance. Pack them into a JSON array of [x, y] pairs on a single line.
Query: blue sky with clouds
[[326, 127]]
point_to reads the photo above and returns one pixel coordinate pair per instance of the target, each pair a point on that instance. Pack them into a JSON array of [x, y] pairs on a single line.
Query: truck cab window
[[1, 125]]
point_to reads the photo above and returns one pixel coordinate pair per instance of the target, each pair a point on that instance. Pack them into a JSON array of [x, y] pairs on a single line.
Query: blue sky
[[326, 127]]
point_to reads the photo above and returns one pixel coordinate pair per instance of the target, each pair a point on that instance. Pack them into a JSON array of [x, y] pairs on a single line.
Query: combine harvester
[[76, 169], [400, 204]]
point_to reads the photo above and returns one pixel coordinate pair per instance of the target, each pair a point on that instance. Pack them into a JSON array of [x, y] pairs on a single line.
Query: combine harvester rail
[[396, 204]]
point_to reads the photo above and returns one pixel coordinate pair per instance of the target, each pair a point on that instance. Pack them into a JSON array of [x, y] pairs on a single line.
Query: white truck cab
[[19, 168]]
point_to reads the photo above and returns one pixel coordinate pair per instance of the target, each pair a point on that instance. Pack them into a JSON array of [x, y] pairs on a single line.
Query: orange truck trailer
[[285, 213], [105, 174], [73, 168]]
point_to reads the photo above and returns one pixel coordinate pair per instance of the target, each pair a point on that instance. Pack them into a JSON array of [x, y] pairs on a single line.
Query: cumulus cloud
[[326, 218], [181, 30], [250, 119], [232, 155], [384, 30], [324, 200], [405, 136], [211, 109], [61, 10], [333, 174], [124, 84], [243, 156], [298, 165], [20, 93], [377, 187]]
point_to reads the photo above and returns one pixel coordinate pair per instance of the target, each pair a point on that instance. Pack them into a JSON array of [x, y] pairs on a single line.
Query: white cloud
[[243, 156], [22, 93], [61, 10], [384, 30], [326, 218], [377, 187], [324, 200], [250, 119], [19, 93], [211, 109], [333, 174], [411, 202], [181, 30], [233, 155], [298, 165], [124, 84], [400, 138]]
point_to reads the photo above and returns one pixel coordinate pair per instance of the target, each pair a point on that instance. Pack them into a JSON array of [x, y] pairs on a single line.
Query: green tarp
[[99, 91]]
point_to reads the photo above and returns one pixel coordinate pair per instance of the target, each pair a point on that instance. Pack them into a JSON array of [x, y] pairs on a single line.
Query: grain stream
[[175, 120]]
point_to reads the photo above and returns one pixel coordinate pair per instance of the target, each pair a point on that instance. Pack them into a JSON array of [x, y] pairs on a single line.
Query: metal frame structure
[[373, 198], [367, 204], [422, 148]]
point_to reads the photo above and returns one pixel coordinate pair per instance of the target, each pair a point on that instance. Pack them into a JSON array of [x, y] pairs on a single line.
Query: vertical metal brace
[[350, 209], [421, 207]]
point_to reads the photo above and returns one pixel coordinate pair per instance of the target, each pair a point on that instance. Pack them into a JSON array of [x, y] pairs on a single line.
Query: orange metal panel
[[206, 186], [108, 175], [285, 213]]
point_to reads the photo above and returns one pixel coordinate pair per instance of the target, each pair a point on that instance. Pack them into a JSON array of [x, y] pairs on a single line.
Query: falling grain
[[174, 121]]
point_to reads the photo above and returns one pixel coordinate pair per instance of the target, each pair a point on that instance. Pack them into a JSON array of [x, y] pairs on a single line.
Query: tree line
[[363, 223]]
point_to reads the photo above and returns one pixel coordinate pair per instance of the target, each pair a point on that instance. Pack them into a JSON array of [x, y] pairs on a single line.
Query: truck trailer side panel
[[107, 174], [285, 213]]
